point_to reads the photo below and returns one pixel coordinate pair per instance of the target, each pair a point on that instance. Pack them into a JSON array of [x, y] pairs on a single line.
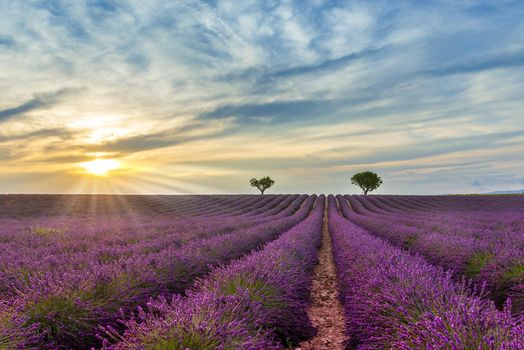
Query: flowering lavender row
[[257, 302], [107, 227], [34, 252], [218, 208], [487, 247], [491, 216], [466, 203], [63, 308], [43, 206], [283, 207], [394, 300], [485, 234]]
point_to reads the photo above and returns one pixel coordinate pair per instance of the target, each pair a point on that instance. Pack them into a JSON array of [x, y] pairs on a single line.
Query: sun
[[100, 167]]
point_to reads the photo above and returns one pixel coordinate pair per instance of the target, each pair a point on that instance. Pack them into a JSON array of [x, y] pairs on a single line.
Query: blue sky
[[200, 96]]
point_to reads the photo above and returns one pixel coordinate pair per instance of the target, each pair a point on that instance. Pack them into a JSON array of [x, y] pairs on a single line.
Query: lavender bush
[[394, 300], [62, 308], [233, 272], [482, 240], [258, 302]]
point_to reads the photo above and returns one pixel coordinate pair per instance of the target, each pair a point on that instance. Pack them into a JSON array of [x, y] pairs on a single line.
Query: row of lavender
[[394, 300], [65, 296], [134, 226], [258, 302], [44, 206], [33, 250], [484, 245]]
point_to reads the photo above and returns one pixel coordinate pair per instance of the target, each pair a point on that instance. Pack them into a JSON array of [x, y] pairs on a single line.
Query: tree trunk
[[365, 191], [262, 192]]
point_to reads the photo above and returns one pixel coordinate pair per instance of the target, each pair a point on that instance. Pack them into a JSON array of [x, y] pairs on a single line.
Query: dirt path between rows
[[326, 312]]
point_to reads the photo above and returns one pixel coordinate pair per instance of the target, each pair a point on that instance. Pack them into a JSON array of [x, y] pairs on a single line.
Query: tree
[[367, 181], [262, 184]]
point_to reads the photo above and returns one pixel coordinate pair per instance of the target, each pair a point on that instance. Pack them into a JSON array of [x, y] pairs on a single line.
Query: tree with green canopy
[[367, 181], [262, 184]]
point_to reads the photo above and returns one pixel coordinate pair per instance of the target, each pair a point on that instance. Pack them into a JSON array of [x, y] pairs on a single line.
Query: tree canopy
[[262, 184], [367, 181]]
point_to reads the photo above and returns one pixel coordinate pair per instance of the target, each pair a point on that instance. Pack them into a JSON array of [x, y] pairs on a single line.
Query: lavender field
[[236, 271]]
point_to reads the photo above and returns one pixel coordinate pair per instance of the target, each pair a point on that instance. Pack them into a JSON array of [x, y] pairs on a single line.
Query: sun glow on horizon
[[100, 167]]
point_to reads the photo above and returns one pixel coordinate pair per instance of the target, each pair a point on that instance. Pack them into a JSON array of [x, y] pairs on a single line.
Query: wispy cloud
[[507, 60], [155, 140], [277, 112], [7, 41], [41, 133], [39, 101], [436, 147], [310, 90]]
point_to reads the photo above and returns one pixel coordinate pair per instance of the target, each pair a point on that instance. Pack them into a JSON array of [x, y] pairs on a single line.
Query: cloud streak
[[42, 133], [39, 101], [481, 64], [309, 90], [277, 112], [7, 41]]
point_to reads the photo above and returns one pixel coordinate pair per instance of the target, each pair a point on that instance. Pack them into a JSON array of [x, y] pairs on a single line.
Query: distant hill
[[508, 192]]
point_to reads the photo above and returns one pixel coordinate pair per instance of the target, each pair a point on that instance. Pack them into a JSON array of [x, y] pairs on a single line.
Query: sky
[[200, 96]]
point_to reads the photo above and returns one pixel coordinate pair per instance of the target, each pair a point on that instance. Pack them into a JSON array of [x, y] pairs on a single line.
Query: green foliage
[[367, 181], [262, 184], [476, 263], [190, 339], [515, 272], [9, 335], [410, 240], [61, 318], [258, 290], [213, 326], [515, 276], [45, 231]]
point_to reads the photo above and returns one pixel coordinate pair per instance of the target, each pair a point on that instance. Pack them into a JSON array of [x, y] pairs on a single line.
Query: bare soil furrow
[[326, 311]]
